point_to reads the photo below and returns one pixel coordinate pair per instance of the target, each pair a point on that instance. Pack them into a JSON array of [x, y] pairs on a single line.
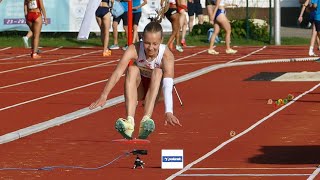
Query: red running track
[[283, 146]]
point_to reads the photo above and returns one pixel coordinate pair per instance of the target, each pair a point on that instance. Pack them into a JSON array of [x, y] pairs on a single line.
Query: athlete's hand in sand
[[171, 119], [99, 102]]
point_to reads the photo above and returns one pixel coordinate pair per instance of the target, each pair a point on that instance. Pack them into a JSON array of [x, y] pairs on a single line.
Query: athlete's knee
[[132, 73], [157, 73], [228, 31]]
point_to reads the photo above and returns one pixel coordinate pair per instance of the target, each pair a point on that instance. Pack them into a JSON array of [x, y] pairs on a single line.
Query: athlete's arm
[[168, 64], [25, 8], [167, 86], [43, 11], [140, 6], [304, 5], [129, 54]]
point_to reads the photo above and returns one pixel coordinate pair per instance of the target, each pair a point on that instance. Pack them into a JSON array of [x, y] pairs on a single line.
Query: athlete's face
[[151, 43]]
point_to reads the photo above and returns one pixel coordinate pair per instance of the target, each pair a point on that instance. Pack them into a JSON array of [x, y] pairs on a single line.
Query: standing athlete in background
[[173, 16], [103, 17], [33, 11], [136, 9], [221, 21], [314, 38]]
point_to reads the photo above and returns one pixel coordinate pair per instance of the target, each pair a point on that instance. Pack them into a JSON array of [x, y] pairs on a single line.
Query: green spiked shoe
[[125, 127], [147, 126]]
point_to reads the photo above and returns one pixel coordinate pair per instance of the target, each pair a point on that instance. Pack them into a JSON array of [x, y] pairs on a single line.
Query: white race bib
[[33, 4]]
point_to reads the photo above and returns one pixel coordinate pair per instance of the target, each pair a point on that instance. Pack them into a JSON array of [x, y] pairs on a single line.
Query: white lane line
[[77, 114], [247, 55], [200, 62], [59, 74], [200, 52], [68, 90], [240, 134], [41, 64], [50, 95], [3, 49], [218, 66], [314, 174], [74, 63], [102, 64], [226, 62], [262, 168], [24, 55], [57, 64], [239, 175], [57, 121]]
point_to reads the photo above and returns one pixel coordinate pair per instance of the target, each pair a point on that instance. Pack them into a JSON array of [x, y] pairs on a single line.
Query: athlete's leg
[[99, 22], [125, 126], [213, 37], [147, 125], [210, 9], [135, 33], [26, 39], [132, 83], [174, 19], [313, 40], [224, 22], [105, 31], [184, 30], [36, 29], [153, 91], [191, 19], [200, 19], [115, 32]]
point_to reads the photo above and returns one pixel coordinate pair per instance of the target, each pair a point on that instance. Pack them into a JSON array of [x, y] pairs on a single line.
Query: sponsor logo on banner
[[172, 159]]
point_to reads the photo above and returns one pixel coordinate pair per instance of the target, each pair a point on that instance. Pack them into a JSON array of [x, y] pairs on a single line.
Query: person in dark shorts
[[115, 23], [315, 6], [173, 16], [210, 8], [314, 38], [194, 9], [136, 9], [103, 17]]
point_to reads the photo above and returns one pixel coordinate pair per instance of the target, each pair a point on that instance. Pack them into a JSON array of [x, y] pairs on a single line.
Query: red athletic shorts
[[33, 16], [181, 7]]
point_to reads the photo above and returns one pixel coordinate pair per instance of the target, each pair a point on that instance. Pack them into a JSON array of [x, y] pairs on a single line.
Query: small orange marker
[[232, 133], [270, 101]]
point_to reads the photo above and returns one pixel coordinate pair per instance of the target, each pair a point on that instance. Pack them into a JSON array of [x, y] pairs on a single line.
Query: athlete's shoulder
[[167, 54]]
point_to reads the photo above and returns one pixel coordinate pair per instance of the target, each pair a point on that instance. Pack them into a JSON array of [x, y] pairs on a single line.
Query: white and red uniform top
[[145, 66]]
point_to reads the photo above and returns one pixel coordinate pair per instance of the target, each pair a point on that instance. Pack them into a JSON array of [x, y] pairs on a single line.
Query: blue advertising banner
[[66, 16], [12, 15]]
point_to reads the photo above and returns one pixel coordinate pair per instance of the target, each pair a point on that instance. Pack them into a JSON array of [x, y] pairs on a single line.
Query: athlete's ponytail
[[164, 4]]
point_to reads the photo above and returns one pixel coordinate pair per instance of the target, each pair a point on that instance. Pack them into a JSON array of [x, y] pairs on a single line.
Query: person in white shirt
[[148, 65]]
